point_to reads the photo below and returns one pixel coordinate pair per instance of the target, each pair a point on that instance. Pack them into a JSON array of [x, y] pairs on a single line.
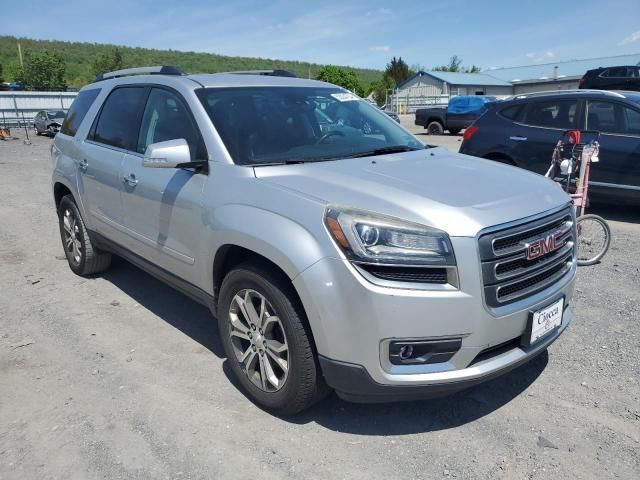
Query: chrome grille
[[508, 274]]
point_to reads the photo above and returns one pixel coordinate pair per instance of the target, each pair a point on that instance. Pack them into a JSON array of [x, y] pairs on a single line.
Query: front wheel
[[594, 239], [267, 340]]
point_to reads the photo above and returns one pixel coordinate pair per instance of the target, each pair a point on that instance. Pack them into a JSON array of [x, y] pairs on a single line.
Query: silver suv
[[334, 249]]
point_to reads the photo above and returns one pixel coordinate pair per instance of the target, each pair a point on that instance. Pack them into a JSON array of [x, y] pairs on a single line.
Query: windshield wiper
[[384, 151]]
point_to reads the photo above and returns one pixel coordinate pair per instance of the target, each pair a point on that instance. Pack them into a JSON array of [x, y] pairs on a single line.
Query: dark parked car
[[522, 131], [459, 114], [612, 78], [48, 121]]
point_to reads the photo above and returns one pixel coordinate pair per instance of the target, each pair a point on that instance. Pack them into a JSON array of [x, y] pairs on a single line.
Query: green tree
[[397, 71], [108, 62], [455, 65], [341, 76], [380, 89], [42, 71]]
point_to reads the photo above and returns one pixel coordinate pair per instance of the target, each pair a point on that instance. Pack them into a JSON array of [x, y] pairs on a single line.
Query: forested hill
[[79, 58]]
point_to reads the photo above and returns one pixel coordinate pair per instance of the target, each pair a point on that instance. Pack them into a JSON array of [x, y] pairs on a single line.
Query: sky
[[342, 32]]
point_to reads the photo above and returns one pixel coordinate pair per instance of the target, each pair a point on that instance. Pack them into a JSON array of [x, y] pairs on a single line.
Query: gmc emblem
[[543, 246]]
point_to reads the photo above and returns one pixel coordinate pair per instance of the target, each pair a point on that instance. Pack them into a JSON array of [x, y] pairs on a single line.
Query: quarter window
[[166, 118], [119, 120], [514, 112], [78, 110], [553, 114]]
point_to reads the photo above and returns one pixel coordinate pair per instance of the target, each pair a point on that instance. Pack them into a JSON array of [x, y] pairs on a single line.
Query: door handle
[[83, 165], [130, 180], [518, 139]]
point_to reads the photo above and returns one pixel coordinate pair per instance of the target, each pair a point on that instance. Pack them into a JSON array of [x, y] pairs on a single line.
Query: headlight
[[371, 238]]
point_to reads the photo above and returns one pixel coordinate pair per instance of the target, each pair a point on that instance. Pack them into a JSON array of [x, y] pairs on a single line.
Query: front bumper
[[354, 320]]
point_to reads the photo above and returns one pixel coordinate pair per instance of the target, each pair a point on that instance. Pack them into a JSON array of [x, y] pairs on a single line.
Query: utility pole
[[20, 55]]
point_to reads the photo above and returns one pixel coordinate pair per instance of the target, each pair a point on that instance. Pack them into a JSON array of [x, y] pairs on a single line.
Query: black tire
[[304, 384], [435, 128], [90, 259], [454, 131], [587, 254], [38, 132]]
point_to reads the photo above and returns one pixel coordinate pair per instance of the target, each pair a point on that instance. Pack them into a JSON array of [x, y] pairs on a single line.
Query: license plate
[[546, 320]]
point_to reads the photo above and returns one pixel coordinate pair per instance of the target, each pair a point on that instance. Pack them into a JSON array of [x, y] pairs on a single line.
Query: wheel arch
[[60, 190], [500, 157]]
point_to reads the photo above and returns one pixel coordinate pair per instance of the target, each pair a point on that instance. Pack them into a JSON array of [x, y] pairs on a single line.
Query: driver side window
[[166, 117]]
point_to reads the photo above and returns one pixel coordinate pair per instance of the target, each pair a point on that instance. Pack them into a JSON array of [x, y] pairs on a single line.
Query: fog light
[[421, 352], [406, 351]]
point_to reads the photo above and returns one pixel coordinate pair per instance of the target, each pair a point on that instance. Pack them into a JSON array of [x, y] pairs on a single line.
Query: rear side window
[[553, 114], [119, 120], [514, 112], [615, 72], [78, 110]]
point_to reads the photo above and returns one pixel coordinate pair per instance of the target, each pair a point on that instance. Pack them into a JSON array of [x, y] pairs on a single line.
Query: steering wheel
[[329, 134]]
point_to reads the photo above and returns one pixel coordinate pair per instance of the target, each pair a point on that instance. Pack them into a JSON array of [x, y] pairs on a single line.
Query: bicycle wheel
[[594, 239]]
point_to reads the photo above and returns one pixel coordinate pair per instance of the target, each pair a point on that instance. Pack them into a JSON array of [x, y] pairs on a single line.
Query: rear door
[[162, 207], [533, 140], [618, 172], [114, 131]]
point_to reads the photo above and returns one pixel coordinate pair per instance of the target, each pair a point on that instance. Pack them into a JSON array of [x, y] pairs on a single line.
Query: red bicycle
[[570, 167]]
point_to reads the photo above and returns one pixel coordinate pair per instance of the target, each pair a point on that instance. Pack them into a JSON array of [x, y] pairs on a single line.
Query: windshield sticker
[[344, 97]]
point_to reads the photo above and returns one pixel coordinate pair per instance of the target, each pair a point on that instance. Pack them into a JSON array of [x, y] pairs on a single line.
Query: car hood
[[456, 193]]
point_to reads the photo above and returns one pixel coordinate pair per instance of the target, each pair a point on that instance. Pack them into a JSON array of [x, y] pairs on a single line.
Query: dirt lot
[[120, 377]]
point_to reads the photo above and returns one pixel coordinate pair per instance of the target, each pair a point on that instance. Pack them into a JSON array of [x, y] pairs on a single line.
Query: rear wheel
[[594, 239], [267, 341], [83, 257], [435, 128]]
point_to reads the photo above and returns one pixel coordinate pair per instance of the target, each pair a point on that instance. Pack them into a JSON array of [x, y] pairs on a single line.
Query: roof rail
[[581, 90], [271, 73], [157, 70]]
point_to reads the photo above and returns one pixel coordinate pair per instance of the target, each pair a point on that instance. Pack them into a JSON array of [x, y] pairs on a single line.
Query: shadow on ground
[[197, 322], [181, 312]]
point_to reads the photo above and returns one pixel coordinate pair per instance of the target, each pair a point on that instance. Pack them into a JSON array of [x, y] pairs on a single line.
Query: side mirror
[[169, 154]]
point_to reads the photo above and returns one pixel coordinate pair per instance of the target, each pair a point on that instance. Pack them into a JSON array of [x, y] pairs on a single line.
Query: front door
[[618, 170], [162, 209]]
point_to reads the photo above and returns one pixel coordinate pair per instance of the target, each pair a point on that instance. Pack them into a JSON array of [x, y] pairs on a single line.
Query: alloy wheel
[[259, 340], [72, 243]]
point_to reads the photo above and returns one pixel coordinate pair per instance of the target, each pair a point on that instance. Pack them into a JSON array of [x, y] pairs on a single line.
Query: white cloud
[[634, 37], [539, 57], [381, 49]]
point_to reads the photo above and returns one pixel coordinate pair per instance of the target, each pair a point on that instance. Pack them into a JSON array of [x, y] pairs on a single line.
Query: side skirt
[[184, 287]]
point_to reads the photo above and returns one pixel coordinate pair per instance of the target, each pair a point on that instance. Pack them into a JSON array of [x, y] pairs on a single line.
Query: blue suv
[[523, 130]]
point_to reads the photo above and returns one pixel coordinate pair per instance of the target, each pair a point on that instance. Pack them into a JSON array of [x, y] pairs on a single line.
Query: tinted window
[[609, 117], [615, 72], [78, 110], [632, 121], [553, 114], [260, 125], [166, 118], [119, 120], [514, 112]]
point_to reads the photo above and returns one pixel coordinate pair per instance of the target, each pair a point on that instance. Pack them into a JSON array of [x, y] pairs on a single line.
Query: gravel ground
[[120, 377]]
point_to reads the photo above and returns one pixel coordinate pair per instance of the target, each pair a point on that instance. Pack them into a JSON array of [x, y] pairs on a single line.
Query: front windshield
[[267, 125], [55, 114]]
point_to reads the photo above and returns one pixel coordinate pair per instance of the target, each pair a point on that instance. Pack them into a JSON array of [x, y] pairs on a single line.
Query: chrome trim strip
[[614, 185], [565, 249], [521, 247]]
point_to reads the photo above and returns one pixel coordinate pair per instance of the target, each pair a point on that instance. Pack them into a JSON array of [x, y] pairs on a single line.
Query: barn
[[435, 88]]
